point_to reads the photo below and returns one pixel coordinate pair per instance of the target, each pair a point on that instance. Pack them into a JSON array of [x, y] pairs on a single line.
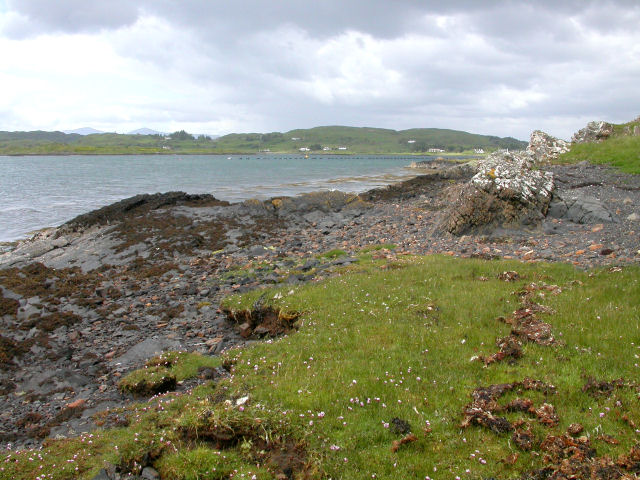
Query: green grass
[[332, 254], [382, 343], [621, 150]]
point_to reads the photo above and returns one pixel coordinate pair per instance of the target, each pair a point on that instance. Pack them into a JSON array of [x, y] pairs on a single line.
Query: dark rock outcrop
[[140, 204]]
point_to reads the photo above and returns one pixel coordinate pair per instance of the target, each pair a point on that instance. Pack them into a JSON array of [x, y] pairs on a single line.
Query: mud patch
[[570, 458], [525, 324], [285, 457], [600, 388], [510, 347], [399, 426], [484, 408], [263, 320], [509, 276], [49, 284], [10, 349], [8, 306], [49, 323]]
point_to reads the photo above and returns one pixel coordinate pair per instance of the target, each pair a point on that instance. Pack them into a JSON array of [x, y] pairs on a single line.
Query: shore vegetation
[[386, 376]]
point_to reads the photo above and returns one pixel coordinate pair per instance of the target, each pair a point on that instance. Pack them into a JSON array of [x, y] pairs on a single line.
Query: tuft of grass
[[622, 152], [332, 254], [378, 348], [162, 372], [375, 248]]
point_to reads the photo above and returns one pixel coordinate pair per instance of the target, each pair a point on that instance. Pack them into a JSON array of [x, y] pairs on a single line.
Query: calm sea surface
[[45, 191]]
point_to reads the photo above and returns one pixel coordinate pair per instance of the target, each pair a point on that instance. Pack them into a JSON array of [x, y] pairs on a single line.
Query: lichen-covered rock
[[593, 132], [544, 147], [506, 191]]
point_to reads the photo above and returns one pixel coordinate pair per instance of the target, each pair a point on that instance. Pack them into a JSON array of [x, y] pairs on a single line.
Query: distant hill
[[341, 139], [333, 139], [144, 131], [84, 131]]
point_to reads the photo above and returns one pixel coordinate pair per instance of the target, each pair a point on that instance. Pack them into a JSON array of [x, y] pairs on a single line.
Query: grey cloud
[[257, 60], [43, 16]]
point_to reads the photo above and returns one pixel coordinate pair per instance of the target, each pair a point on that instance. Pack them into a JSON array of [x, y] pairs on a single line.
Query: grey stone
[[149, 473], [634, 217], [309, 264], [69, 378], [314, 217], [60, 242], [257, 251], [557, 208], [586, 209], [102, 475], [145, 350], [344, 260], [582, 209], [271, 278], [28, 311]]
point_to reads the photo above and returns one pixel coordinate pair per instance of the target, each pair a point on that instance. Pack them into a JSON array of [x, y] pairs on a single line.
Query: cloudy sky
[[491, 66]]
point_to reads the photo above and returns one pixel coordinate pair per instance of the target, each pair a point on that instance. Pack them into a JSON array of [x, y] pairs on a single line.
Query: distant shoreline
[[352, 154]]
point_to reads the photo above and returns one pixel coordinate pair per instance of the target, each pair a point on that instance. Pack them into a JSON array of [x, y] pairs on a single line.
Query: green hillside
[[366, 140], [334, 139], [58, 143]]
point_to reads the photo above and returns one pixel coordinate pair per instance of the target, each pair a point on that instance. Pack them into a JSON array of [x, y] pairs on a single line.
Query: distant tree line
[[182, 135]]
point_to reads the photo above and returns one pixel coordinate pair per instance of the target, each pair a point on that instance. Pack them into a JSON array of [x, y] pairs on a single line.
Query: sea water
[[45, 191]]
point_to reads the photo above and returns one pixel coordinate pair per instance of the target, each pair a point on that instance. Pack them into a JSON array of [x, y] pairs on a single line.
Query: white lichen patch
[[544, 147], [511, 174]]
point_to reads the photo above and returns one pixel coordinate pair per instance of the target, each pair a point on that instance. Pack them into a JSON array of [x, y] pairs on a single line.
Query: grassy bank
[[388, 348], [621, 150]]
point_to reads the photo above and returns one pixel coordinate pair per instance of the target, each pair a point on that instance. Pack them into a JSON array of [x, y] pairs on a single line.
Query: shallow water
[[44, 191]]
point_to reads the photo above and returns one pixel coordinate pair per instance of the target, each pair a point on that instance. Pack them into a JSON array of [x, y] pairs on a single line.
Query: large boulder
[[507, 191], [593, 132], [543, 147], [580, 209]]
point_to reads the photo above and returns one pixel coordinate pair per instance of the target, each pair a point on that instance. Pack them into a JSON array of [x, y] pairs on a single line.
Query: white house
[[304, 149], [478, 150], [411, 141], [342, 148]]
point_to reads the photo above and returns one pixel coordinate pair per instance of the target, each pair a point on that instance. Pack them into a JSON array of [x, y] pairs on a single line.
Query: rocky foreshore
[[83, 304]]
